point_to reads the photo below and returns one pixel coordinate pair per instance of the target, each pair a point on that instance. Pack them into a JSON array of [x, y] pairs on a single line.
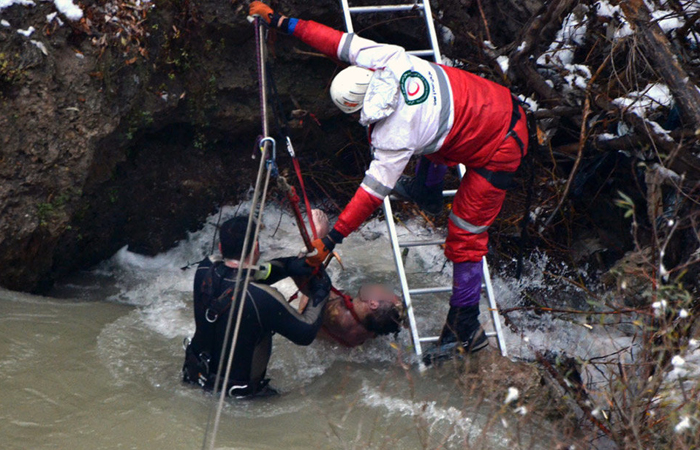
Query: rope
[[297, 169], [211, 431], [347, 300], [281, 124]]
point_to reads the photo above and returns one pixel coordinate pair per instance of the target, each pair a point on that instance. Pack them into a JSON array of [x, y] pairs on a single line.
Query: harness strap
[[499, 179], [347, 301], [514, 118]]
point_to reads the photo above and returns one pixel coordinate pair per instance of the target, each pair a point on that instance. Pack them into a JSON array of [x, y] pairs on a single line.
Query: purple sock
[[466, 284], [436, 172]]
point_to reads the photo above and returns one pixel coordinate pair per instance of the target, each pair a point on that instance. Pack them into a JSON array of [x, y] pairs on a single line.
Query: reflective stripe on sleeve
[[466, 226], [344, 54], [373, 186], [263, 272]]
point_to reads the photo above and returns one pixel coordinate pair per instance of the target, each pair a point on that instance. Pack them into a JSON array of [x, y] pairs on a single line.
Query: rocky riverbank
[[127, 126]]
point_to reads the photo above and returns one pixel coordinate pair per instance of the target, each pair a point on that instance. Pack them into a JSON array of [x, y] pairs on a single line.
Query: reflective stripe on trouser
[[477, 203]]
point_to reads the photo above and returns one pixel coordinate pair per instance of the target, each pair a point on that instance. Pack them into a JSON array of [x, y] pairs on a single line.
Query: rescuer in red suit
[[447, 115]]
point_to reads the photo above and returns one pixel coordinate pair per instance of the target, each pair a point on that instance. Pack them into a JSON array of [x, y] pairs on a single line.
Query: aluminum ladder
[[396, 245]]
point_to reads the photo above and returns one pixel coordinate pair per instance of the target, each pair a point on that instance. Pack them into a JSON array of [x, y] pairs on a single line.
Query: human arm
[[300, 328], [281, 268], [346, 47], [381, 177]]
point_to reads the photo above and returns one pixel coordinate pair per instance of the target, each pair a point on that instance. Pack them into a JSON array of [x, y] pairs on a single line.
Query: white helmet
[[349, 87]]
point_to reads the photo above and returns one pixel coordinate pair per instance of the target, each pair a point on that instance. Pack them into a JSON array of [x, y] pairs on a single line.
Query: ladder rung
[[420, 243], [436, 338], [447, 193], [385, 8], [421, 52], [434, 290], [430, 290]]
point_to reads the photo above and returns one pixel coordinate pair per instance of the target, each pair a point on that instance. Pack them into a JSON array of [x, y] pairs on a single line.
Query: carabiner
[[290, 148], [206, 316], [274, 146]]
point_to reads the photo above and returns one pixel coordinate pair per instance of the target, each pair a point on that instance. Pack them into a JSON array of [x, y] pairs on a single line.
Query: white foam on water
[[162, 296], [447, 425]]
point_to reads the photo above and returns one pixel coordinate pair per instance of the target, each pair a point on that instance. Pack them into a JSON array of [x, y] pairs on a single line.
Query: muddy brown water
[[96, 366]]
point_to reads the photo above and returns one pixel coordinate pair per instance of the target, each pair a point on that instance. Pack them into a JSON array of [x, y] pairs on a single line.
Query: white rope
[[211, 432]]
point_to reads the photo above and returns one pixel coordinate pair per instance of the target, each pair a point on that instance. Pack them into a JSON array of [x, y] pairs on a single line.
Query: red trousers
[[478, 202]]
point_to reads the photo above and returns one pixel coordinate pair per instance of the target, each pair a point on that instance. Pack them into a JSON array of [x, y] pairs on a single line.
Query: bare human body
[[375, 311]]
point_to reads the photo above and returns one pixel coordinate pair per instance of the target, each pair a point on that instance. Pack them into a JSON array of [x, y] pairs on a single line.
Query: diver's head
[[379, 309], [232, 237]]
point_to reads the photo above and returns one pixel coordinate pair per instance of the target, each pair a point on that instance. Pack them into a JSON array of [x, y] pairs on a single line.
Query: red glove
[[322, 248], [260, 9]]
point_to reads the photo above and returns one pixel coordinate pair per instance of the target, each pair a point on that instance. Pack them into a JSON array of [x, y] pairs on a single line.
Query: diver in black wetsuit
[[265, 311]]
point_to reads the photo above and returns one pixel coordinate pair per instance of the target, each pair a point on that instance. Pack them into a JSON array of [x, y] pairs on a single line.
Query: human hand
[[320, 222], [319, 287], [298, 267], [261, 10], [322, 248]]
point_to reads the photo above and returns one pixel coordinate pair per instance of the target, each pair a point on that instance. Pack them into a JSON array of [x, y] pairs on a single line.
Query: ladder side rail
[[432, 35], [398, 259], [494, 309], [346, 16], [388, 212]]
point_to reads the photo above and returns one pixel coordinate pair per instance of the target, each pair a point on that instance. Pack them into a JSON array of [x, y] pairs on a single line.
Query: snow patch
[[513, 394], [504, 62], [4, 23], [578, 76], [40, 45], [532, 104], [68, 9], [571, 35], [683, 425], [667, 20], [605, 9], [26, 33], [7, 3], [446, 35], [624, 30], [648, 99]]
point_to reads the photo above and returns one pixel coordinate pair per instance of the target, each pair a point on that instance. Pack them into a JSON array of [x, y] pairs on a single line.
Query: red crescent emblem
[[411, 94]]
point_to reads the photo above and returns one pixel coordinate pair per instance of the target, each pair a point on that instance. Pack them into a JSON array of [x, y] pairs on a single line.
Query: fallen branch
[[581, 146], [658, 49]]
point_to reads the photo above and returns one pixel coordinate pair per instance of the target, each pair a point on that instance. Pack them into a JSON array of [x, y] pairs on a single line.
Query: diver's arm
[[281, 268], [278, 316]]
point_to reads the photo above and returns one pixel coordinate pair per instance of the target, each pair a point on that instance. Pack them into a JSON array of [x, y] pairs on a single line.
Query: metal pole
[[494, 308], [415, 337], [346, 16], [431, 31]]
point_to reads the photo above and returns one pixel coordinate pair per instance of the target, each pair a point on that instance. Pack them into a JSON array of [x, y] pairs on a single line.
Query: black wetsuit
[[265, 312]]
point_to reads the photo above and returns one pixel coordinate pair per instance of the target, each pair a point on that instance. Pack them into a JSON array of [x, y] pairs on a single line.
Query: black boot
[[461, 333], [429, 199]]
